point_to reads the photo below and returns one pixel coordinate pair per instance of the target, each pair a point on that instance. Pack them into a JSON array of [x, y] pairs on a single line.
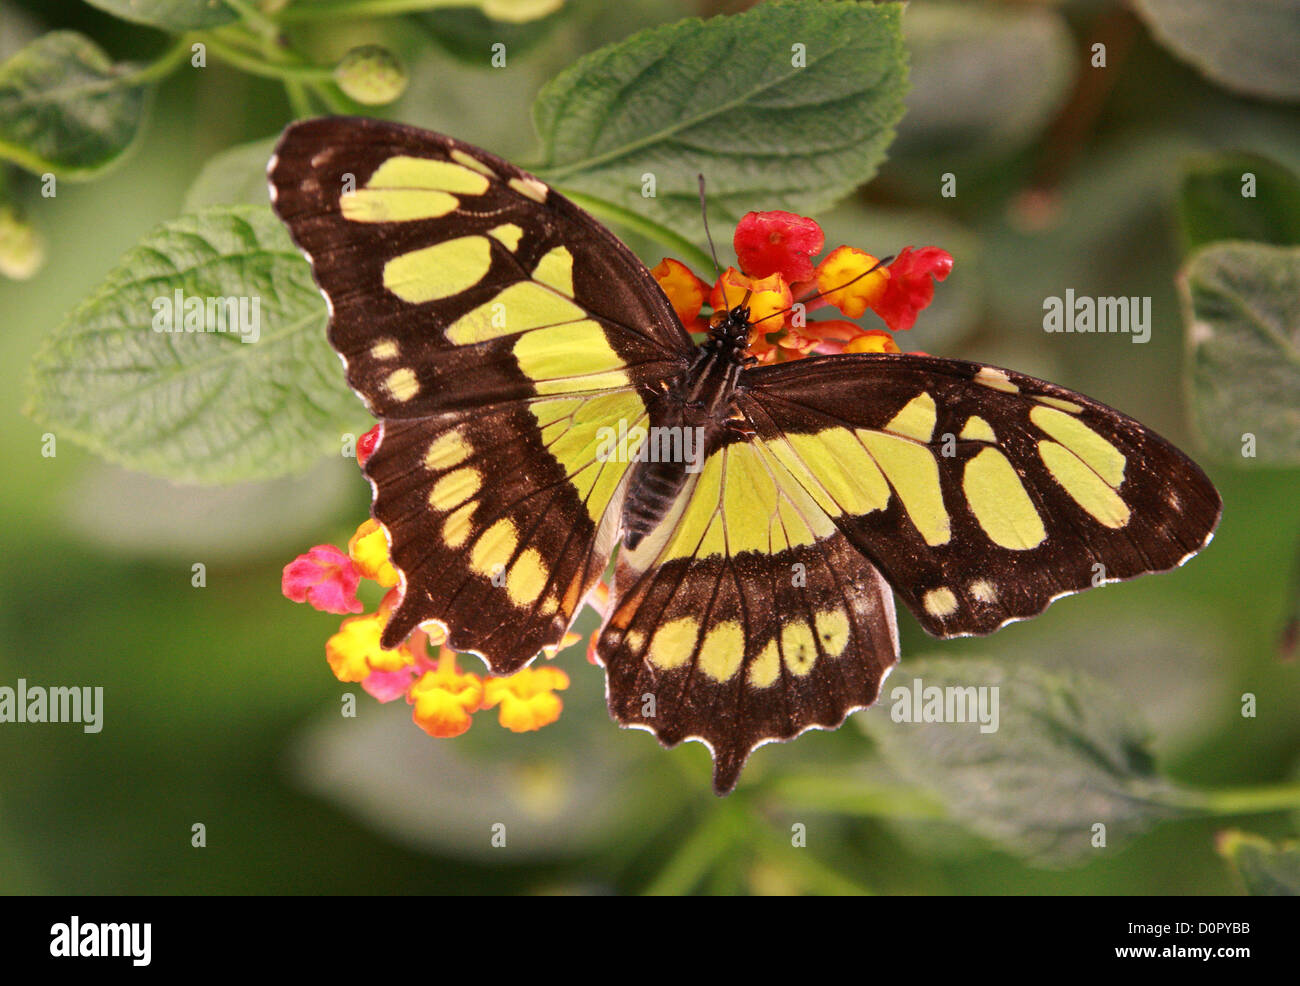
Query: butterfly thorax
[[696, 414]]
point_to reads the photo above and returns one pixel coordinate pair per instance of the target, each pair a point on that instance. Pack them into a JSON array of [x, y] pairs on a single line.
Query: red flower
[[776, 252], [367, 444], [782, 243], [910, 287]]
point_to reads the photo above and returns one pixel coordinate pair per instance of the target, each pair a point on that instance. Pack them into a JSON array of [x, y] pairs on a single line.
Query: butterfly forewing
[[494, 328], [981, 494]]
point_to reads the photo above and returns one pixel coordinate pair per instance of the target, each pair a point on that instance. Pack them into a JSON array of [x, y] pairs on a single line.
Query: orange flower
[[445, 699], [685, 291]]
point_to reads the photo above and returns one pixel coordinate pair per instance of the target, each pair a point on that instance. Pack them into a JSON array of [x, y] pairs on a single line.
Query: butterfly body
[[500, 334], [695, 414]]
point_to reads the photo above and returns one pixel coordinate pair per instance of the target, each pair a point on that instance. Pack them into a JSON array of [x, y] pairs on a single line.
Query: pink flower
[[325, 578]]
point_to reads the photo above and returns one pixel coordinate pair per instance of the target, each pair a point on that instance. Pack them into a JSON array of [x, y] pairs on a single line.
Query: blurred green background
[[220, 708]]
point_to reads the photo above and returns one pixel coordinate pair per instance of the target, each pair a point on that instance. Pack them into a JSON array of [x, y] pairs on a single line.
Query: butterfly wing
[[494, 328], [744, 616], [981, 494]]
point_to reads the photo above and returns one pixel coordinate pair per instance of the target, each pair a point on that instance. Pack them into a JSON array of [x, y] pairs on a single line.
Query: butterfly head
[[731, 326]]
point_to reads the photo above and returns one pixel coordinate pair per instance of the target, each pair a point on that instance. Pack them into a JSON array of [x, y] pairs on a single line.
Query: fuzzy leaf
[[200, 406], [171, 15], [725, 98], [1247, 47], [1212, 205], [1241, 302], [236, 176], [66, 108], [1266, 869], [1065, 756]]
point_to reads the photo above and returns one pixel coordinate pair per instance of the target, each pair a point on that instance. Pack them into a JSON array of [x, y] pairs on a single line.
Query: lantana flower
[[776, 252], [324, 578], [443, 697]]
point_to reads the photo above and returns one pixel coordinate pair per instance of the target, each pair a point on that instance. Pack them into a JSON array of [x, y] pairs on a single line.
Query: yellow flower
[[354, 652], [527, 698], [873, 341], [446, 698], [368, 549], [767, 295], [843, 276]]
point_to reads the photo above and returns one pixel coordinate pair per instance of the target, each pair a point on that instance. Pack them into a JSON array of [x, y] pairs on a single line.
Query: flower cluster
[[443, 697], [775, 251]]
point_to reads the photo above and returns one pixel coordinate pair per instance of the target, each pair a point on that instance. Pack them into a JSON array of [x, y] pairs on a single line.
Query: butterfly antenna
[[878, 264], [717, 271]]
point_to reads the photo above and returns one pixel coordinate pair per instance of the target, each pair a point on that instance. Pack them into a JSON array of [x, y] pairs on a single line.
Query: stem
[[255, 66], [254, 18], [686, 251], [335, 103], [851, 796], [299, 101], [1241, 800], [1076, 119], [362, 8], [819, 875], [696, 855], [166, 63]]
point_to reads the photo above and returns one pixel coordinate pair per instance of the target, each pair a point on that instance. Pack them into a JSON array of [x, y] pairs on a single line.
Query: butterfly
[[501, 335]]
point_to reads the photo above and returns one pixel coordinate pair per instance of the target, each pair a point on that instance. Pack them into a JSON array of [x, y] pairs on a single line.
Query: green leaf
[[1065, 755], [66, 108], [985, 79], [469, 34], [171, 15], [724, 98], [200, 406], [1266, 869], [1213, 204], [236, 176], [1241, 302], [1246, 47]]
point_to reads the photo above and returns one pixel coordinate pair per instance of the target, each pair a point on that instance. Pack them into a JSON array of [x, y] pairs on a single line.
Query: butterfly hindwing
[[745, 616], [981, 494], [494, 328]]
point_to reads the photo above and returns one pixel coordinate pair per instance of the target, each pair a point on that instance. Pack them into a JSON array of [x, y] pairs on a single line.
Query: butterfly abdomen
[[697, 411], [653, 489]]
